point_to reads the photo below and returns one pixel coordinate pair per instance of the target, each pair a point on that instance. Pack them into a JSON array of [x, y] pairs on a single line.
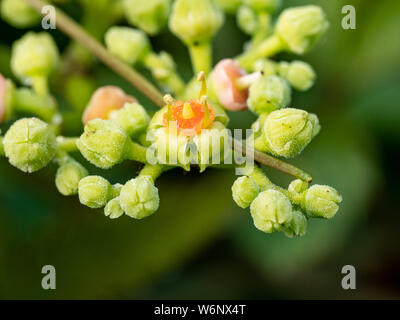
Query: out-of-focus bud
[[113, 209], [244, 191], [133, 118], [68, 177], [18, 13], [30, 144], [34, 56], [247, 20], [103, 143], [6, 89], [128, 44], [104, 101], [301, 27], [195, 21], [224, 78], [299, 74], [230, 6], [287, 132], [298, 186], [268, 94], [139, 198], [94, 192], [270, 210], [263, 5], [266, 66], [297, 226], [322, 201], [149, 15]]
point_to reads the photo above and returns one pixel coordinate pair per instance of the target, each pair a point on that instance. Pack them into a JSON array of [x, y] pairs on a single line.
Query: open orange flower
[[190, 116]]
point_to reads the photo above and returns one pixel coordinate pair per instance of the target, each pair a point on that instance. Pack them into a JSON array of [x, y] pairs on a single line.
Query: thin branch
[[72, 29]]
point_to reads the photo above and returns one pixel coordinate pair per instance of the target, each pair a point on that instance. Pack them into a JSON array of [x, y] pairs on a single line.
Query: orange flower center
[[190, 116]]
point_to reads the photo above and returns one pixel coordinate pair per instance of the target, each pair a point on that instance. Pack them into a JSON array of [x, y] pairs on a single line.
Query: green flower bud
[[301, 27], [133, 118], [210, 145], [128, 44], [195, 21], [247, 20], [268, 94], [287, 132], [300, 75], [113, 209], [244, 191], [322, 201], [263, 5], [139, 198], [95, 192], [68, 177], [34, 55], [270, 210], [230, 6], [30, 144], [103, 143], [149, 15], [266, 66], [18, 14], [298, 186], [297, 226]]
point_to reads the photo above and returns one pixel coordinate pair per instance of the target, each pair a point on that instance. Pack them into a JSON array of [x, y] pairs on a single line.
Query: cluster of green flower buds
[[297, 30], [133, 47], [18, 13], [300, 75], [276, 209], [286, 132], [34, 57], [149, 15]]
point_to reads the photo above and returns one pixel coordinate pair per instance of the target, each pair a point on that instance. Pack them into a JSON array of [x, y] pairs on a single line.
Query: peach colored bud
[[104, 101], [224, 77]]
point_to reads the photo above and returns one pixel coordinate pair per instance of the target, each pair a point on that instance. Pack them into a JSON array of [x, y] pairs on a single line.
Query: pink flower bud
[[104, 101], [224, 78]]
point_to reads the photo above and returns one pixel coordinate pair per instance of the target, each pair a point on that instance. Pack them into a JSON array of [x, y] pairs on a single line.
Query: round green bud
[[244, 191], [18, 13], [30, 144], [299, 74], [133, 118], [94, 192], [287, 132], [195, 21], [266, 66], [230, 6], [322, 201], [301, 27], [247, 20], [270, 210], [103, 143], [68, 177], [263, 5], [298, 186], [268, 94], [128, 44], [34, 55], [113, 209], [297, 226], [149, 15], [139, 198]]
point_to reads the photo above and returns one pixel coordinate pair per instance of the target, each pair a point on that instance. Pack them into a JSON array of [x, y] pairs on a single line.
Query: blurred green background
[[200, 245]]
